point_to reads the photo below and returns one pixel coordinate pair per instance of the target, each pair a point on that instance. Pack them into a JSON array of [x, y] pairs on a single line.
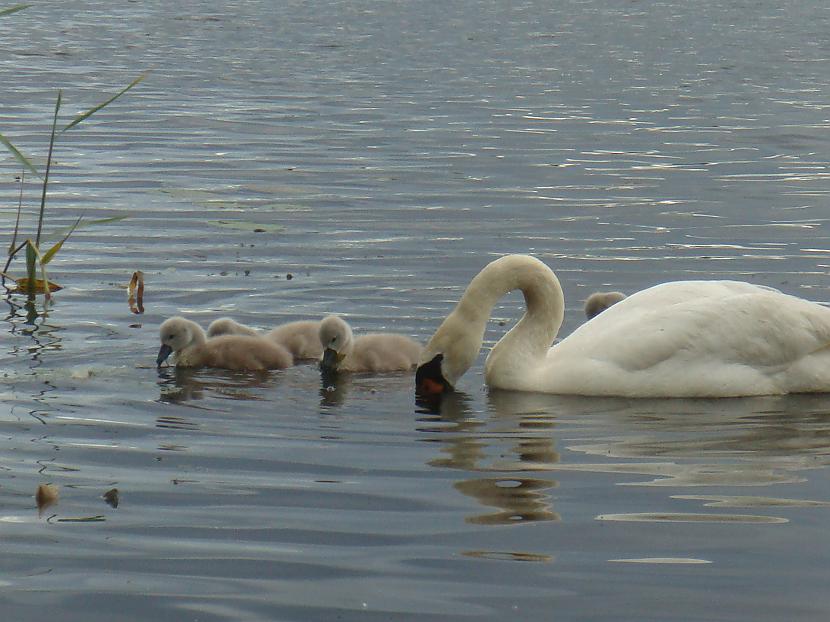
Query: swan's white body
[[678, 339]]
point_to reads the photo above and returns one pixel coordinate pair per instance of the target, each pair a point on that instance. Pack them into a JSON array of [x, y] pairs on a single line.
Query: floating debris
[[135, 292], [23, 286], [46, 496], [111, 497]]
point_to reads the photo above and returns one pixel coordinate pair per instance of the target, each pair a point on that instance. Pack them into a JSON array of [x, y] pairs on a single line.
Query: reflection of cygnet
[[192, 349], [377, 352], [299, 338], [600, 301]]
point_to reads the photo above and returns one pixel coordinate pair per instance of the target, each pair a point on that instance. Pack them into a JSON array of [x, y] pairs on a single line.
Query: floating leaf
[[23, 286], [92, 111], [43, 286], [244, 225]]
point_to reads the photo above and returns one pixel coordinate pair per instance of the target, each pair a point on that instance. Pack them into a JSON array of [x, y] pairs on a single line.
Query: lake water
[[381, 153]]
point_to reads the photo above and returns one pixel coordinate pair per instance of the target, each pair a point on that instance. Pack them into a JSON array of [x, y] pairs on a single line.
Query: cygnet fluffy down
[[192, 348], [300, 338], [600, 301], [376, 352], [227, 326]]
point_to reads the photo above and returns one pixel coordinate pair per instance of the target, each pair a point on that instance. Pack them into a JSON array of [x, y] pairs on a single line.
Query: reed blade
[[18, 155], [47, 256], [14, 9], [92, 111], [82, 224], [31, 261], [48, 167]]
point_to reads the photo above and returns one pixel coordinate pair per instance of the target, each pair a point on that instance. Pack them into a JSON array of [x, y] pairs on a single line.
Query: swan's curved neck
[[461, 335], [530, 339]]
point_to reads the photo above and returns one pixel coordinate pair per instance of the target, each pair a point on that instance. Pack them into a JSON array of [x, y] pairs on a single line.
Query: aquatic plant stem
[[12, 251], [48, 167]]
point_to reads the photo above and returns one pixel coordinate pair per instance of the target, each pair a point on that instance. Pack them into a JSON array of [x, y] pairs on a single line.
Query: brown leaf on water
[[23, 286], [135, 292], [46, 495], [111, 497]]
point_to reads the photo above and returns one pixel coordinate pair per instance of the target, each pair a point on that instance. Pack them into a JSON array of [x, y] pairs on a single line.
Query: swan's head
[[336, 338], [176, 334], [450, 352], [598, 302]]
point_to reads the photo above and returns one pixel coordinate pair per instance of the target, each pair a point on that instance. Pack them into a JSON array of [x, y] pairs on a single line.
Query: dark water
[[387, 151]]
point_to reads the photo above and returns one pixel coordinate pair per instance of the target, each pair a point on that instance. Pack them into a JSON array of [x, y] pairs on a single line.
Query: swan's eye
[[171, 336]]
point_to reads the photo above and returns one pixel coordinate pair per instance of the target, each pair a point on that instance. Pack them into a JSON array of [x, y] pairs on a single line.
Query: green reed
[[35, 257]]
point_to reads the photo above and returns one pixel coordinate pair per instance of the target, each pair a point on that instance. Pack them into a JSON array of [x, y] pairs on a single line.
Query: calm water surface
[[380, 153]]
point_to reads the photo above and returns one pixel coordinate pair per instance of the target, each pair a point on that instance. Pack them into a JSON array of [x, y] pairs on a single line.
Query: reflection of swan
[[520, 500], [377, 352], [598, 302], [679, 339], [299, 338], [193, 349]]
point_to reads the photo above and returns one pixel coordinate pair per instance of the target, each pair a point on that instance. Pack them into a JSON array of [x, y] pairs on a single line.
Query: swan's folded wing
[[761, 328]]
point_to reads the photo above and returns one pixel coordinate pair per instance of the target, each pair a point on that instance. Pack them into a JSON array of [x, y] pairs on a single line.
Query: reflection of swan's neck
[[527, 342]]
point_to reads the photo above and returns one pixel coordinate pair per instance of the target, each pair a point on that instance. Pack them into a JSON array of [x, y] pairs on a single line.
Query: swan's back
[[697, 338]]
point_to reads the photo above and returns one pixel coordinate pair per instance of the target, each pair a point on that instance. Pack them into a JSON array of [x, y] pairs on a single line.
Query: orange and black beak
[[429, 381]]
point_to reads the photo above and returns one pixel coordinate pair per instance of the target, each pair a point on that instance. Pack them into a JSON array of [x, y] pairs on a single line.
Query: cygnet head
[[600, 301], [176, 334], [336, 338]]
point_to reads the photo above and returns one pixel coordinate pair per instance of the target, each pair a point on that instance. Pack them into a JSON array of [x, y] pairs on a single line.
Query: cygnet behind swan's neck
[[460, 336]]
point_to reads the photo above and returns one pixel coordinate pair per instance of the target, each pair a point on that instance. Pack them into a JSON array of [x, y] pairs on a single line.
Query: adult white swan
[[678, 339]]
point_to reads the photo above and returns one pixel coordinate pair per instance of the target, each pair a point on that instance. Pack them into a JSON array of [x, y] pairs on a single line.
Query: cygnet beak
[[164, 352], [331, 359], [429, 380]]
